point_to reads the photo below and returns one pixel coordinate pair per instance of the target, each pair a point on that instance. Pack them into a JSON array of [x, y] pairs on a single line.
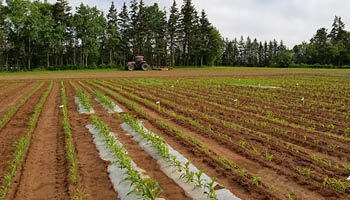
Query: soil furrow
[[171, 190], [92, 169], [13, 97], [44, 174], [269, 176], [15, 129]]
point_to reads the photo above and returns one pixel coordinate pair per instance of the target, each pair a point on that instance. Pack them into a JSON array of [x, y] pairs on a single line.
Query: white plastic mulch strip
[[116, 174], [116, 108], [172, 171], [81, 108]]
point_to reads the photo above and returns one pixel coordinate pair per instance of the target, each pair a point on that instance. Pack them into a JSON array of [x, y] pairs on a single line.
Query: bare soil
[[44, 174], [14, 130]]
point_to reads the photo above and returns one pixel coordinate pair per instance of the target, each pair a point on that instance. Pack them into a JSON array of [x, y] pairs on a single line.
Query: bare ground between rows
[[14, 96], [10, 88], [228, 116], [93, 179], [14, 130], [242, 190], [268, 176], [299, 141], [143, 160], [44, 174]]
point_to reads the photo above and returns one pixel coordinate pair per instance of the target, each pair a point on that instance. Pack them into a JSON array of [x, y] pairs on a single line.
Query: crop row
[[22, 145], [193, 142], [239, 121], [12, 110], [70, 149], [163, 150], [241, 143], [239, 126], [84, 99], [248, 104], [249, 97], [100, 97], [143, 187]]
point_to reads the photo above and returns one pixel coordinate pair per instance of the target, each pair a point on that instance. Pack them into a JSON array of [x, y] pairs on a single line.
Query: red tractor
[[138, 64]]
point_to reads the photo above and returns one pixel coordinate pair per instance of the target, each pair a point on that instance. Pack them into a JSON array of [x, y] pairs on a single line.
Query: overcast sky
[[292, 21]]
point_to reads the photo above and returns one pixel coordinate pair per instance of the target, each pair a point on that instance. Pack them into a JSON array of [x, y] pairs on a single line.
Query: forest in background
[[36, 34]]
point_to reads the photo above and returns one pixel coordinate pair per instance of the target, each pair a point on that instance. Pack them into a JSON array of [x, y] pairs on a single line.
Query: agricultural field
[[225, 134]]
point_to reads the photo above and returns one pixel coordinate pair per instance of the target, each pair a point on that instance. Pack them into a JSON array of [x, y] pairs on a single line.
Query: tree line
[[39, 34], [328, 49], [35, 34]]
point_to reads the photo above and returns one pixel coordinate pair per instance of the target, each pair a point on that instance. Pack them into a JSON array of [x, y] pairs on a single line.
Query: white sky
[[292, 21]]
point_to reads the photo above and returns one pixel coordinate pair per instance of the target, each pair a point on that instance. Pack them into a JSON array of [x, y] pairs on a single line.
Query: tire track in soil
[[268, 176], [93, 173], [44, 174], [15, 129], [171, 190]]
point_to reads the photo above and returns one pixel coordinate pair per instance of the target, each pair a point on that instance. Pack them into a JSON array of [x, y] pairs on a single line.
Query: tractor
[[138, 64]]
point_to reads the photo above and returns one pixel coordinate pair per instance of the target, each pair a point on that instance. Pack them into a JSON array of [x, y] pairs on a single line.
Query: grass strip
[[22, 145]]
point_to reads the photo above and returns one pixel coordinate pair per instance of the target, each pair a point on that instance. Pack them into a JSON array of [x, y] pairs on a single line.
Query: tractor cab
[[138, 64], [138, 59]]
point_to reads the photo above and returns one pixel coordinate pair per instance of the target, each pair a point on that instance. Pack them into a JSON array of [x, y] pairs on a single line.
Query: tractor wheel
[[130, 67], [145, 67]]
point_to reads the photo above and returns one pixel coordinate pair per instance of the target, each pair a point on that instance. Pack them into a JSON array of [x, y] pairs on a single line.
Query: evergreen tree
[[112, 33], [205, 34], [63, 19], [173, 32], [124, 28], [187, 23]]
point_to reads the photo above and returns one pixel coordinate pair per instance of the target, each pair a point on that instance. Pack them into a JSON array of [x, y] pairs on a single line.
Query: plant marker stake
[[158, 102]]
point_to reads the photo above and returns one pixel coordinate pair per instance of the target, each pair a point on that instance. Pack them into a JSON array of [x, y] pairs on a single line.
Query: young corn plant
[[13, 109], [162, 148], [22, 145], [337, 185], [83, 97], [69, 141], [145, 188], [305, 172], [268, 156], [256, 180]]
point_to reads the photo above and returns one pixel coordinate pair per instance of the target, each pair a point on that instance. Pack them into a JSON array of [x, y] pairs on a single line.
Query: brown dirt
[[253, 166], [229, 72], [94, 180], [142, 159], [14, 94], [10, 89], [14, 130], [44, 174], [197, 159]]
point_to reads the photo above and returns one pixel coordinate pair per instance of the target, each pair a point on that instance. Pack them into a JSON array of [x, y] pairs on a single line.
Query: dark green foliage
[[38, 34], [326, 49]]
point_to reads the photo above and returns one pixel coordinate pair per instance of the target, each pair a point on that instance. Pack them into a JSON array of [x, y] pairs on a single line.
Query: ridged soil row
[[227, 177], [171, 190], [14, 130], [44, 174], [93, 175]]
